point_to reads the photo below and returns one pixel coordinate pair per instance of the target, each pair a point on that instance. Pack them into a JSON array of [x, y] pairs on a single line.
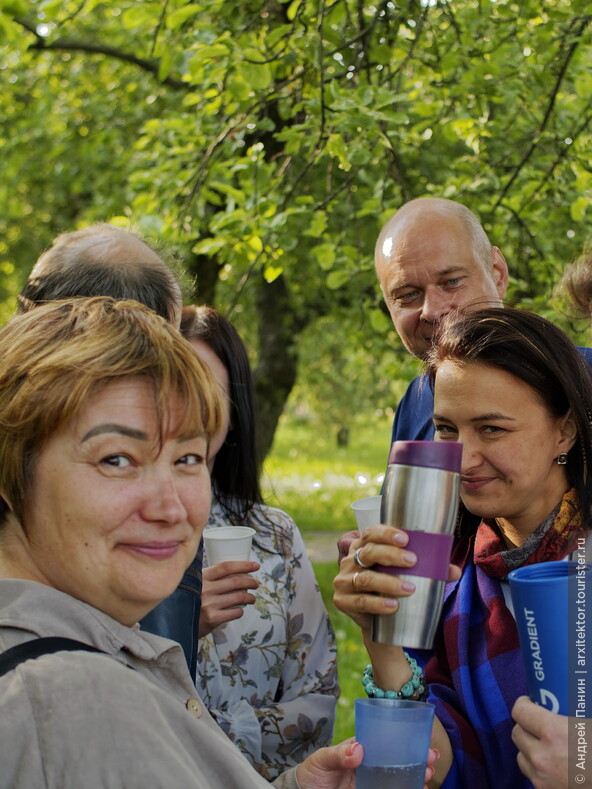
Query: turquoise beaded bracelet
[[413, 690]]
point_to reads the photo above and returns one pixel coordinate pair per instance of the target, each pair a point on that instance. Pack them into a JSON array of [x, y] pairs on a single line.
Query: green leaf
[[181, 15], [208, 52], [336, 147], [164, 65], [228, 189], [379, 321], [578, 208], [13, 7], [337, 279], [238, 87], [293, 9], [209, 246], [325, 255], [318, 224], [277, 35], [271, 273], [257, 76]]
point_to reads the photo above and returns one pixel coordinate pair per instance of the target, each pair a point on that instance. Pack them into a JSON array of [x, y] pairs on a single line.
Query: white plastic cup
[[228, 544], [367, 511]]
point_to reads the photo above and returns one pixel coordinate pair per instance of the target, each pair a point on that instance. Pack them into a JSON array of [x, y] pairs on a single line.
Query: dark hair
[[235, 475], [147, 285], [102, 260], [539, 353]]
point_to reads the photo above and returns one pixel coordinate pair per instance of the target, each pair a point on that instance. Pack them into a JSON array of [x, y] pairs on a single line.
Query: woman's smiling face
[[510, 442], [115, 517]]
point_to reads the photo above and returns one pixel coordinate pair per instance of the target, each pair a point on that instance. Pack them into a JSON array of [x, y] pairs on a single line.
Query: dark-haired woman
[[515, 391], [267, 655]]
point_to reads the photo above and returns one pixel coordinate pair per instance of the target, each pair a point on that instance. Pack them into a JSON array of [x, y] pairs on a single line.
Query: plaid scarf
[[476, 672], [552, 540]]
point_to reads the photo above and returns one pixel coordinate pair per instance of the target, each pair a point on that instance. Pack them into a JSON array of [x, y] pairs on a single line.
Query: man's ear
[[499, 271]]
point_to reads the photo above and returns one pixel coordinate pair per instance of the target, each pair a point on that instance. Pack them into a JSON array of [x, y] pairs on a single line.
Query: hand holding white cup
[[367, 511], [228, 544]]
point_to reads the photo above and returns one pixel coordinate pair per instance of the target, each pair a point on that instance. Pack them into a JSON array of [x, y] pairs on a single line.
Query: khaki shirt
[[78, 720]]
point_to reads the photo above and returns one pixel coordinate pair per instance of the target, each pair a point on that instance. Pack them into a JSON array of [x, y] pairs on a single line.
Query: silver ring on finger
[[358, 561]]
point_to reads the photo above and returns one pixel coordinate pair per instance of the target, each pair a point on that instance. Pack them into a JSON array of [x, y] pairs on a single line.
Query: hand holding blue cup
[[550, 609], [395, 735]]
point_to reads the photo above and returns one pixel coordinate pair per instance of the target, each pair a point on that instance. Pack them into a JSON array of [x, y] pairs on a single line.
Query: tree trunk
[[275, 373], [206, 270]]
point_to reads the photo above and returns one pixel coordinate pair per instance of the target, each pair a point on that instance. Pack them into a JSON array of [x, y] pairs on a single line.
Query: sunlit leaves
[[273, 139], [182, 15]]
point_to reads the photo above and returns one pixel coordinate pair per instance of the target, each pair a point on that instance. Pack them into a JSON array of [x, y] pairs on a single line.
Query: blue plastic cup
[[550, 608], [395, 735]]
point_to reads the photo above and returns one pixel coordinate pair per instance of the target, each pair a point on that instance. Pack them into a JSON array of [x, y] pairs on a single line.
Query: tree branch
[[161, 20], [560, 156], [74, 45], [584, 22]]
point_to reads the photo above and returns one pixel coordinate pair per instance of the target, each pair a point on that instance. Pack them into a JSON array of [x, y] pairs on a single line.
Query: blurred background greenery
[[315, 481], [351, 655]]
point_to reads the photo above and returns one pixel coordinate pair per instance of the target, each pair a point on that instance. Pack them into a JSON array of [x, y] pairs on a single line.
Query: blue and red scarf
[[476, 673]]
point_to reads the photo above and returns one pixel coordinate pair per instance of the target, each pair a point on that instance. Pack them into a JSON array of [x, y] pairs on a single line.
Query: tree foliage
[[267, 142]]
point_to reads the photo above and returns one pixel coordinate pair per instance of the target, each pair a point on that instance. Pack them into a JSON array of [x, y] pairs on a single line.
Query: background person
[[576, 284], [105, 418], [515, 391], [266, 671], [103, 260], [433, 258]]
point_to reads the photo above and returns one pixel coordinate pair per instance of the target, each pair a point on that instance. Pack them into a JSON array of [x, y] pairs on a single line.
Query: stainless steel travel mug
[[421, 496]]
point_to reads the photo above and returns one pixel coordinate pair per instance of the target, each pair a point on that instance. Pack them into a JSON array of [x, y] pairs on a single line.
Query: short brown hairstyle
[[56, 356]]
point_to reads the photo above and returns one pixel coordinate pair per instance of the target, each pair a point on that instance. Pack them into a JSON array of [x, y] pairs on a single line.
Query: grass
[[315, 481], [351, 655]]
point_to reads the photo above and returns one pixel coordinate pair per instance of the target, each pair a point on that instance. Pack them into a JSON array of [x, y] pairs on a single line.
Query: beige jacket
[[77, 720]]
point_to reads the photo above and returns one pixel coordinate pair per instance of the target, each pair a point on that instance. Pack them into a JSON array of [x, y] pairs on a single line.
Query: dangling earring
[[562, 459]]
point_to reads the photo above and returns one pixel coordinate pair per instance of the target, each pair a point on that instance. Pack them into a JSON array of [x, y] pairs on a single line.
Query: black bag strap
[[40, 646]]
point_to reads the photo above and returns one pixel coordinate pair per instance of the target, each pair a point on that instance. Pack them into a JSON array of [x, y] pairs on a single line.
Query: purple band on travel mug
[[445, 455], [433, 556]]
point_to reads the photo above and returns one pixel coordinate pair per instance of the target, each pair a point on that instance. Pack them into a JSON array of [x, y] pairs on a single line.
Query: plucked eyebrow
[[190, 436], [493, 417], [139, 435], [131, 432]]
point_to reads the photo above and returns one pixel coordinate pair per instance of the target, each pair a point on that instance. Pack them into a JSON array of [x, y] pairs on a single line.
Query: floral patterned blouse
[[270, 677]]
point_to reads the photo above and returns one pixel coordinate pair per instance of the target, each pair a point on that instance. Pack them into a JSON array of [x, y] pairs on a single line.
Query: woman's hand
[[361, 592], [541, 737], [344, 544], [224, 591], [334, 767]]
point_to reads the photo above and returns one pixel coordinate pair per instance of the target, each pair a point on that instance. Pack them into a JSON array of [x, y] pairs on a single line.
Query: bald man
[[103, 260], [433, 258]]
